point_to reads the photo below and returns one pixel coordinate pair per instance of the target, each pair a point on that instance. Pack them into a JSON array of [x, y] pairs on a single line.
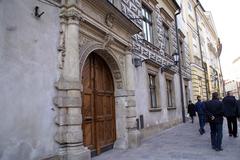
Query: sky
[[226, 15]]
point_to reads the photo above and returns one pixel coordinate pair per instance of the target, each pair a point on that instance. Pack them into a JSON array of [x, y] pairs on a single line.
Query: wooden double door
[[99, 130]]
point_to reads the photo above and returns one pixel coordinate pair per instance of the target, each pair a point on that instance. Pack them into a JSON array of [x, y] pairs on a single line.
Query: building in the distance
[[233, 85], [236, 70], [205, 49]]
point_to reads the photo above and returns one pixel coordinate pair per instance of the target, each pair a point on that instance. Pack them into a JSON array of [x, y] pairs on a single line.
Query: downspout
[[180, 66], [200, 47], [219, 54], [223, 84]]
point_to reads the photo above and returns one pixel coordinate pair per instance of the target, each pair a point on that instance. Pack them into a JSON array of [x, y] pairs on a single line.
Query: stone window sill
[[155, 109], [150, 45], [171, 108]]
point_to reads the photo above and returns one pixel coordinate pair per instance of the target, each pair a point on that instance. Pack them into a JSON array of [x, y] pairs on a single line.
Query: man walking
[[191, 110], [200, 109], [230, 112], [214, 111], [238, 108]]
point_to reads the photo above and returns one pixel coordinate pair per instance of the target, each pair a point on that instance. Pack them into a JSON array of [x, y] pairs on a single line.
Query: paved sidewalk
[[182, 142]]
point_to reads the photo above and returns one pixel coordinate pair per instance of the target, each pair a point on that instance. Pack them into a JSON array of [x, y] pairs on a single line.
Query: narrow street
[[182, 142]]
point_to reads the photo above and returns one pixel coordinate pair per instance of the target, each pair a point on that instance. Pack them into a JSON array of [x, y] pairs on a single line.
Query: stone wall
[[28, 69], [156, 129], [155, 53]]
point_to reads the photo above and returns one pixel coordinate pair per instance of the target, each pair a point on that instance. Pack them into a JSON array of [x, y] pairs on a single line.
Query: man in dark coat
[[238, 104], [191, 110], [230, 112], [200, 109], [215, 112]]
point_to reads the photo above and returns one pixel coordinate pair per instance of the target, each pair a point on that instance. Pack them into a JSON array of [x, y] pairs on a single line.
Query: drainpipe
[[180, 66], [200, 47], [223, 84], [219, 54]]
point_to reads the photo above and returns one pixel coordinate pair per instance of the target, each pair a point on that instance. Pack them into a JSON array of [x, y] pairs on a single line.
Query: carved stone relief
[[110, 19], [61, 47], [108, 40]]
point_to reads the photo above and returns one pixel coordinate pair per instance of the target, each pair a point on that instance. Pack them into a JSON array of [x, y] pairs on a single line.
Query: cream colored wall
[[208, 32], [197, 71]]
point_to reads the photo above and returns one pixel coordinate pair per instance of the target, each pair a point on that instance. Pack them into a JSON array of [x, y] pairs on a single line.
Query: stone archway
[[98, 107], [119, 88], [109, 57], [72, 56]]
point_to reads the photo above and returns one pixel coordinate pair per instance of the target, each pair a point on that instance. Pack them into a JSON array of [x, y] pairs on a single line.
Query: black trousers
[[216, 134], [232, 125]]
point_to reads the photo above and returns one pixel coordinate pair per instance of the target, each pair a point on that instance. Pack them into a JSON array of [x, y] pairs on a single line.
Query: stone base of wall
[[153, 130], [78, 153], [51, 158]]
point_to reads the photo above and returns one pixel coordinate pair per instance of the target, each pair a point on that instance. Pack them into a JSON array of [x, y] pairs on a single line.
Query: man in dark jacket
[[200, 109], [230, 112], [191, 110], [238, 104], [238, 108], [214, 110]]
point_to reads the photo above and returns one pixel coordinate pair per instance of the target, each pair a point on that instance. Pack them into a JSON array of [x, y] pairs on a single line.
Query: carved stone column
[[68, 101], [133, 133]]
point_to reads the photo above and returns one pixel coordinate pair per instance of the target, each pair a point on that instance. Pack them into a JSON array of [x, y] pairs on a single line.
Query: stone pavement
[[182, 142]]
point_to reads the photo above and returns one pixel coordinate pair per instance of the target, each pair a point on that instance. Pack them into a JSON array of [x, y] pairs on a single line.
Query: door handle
[[88, 119]]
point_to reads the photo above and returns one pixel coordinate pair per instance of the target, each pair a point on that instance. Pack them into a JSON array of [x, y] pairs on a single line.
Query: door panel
[[98, 104]]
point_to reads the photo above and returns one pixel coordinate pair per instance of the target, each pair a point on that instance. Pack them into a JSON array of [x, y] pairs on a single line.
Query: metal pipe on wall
[[200, 47], [180, 66]]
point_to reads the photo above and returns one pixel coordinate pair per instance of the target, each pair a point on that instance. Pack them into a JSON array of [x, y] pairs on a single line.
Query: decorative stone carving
[[72, 14], [108, 41], [117, 75], [119, 85], [61, 48], [110, 19], [83, 40]]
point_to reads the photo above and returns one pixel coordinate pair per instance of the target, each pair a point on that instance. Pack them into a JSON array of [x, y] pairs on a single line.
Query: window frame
[[170, 95], [111, 1], [147, 23], [200, 91], [190, 7], [153, 69], [182, 53], [167, 37], [152, 90]]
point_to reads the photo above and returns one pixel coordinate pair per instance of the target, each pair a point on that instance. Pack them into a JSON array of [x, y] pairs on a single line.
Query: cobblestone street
[[182, 142]]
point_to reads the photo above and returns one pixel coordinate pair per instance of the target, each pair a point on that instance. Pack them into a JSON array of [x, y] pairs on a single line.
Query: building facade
[[205, 49], [236, 72], [233, 84], [84, 76]]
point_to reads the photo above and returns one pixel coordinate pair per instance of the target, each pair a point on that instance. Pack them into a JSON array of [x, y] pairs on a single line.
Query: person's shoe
[[218, 149], [200, 131], [203, 130], [214, 148], [235, 136], [230, 135]]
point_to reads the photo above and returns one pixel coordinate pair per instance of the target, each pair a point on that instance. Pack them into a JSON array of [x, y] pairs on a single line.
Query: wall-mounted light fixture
[[37, 13], [176, 60]]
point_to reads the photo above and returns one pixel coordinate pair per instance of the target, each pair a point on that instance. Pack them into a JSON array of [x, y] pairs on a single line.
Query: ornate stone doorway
[[98, 110]]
